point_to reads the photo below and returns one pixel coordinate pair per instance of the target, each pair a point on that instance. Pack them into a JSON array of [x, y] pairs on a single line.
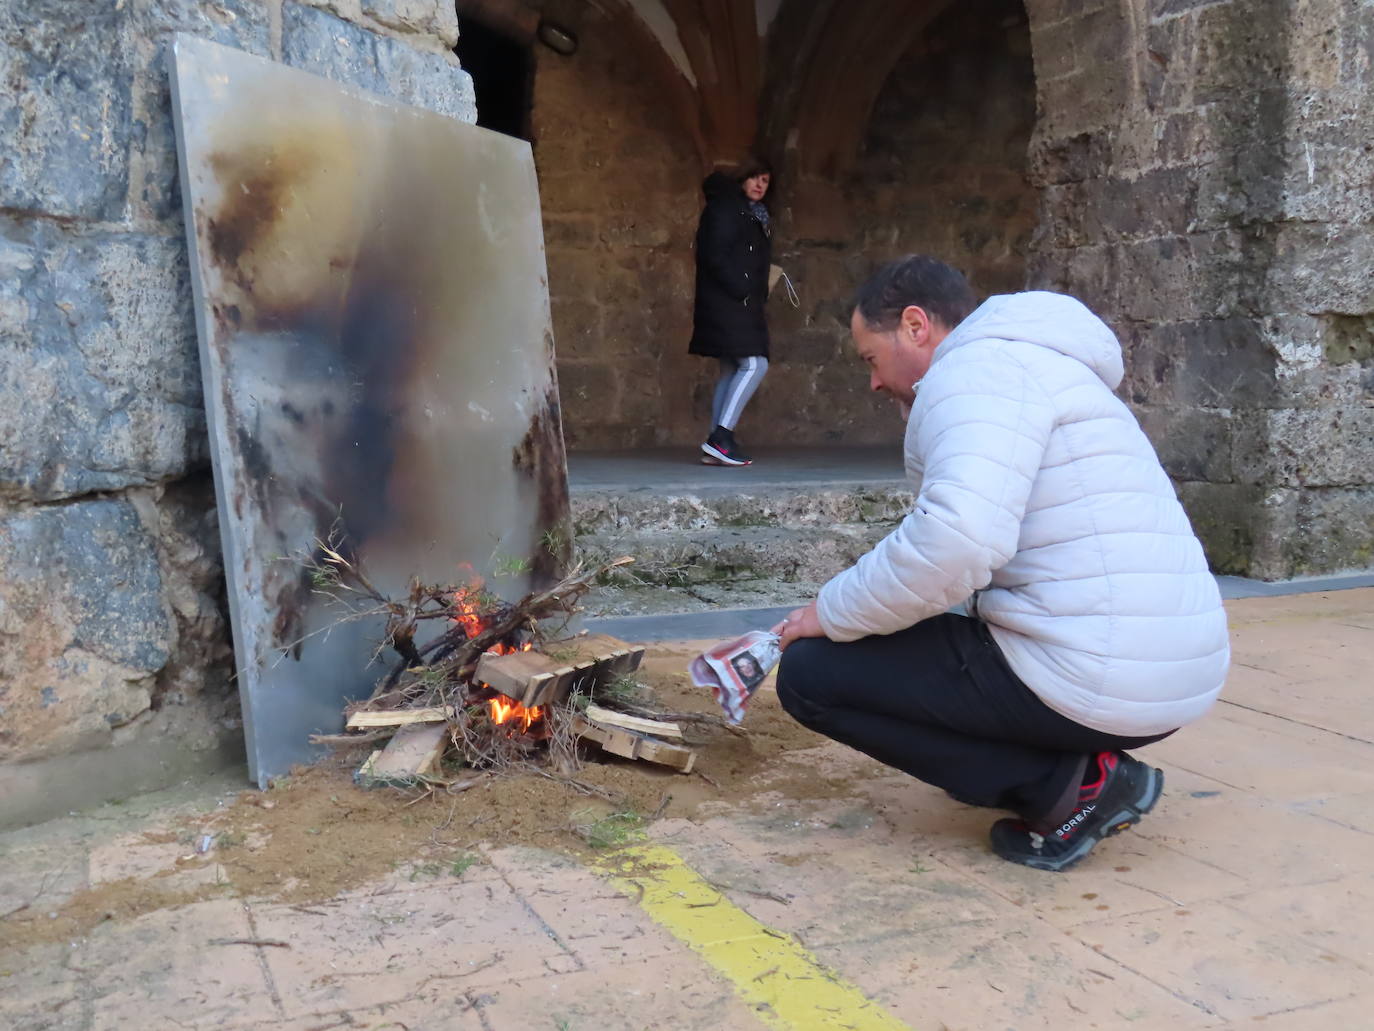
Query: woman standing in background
[[733, 251]]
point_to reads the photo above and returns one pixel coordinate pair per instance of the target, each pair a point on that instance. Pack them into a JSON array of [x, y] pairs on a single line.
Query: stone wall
[[1211, 197], [112, 621], [942, 171], [620, 189]]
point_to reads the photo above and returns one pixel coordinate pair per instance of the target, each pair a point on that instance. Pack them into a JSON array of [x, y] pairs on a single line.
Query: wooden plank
[[636, 746], [536, 678], [609, 652], [611, 718], [678, 757], [398, 717], [553, 686], [411, 754], [511, 674]]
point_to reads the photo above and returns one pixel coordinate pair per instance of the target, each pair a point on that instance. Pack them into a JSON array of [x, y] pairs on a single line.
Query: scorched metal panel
[[377, 356]]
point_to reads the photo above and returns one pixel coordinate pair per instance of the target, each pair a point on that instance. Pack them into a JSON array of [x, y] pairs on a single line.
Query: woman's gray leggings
[[739, 378]]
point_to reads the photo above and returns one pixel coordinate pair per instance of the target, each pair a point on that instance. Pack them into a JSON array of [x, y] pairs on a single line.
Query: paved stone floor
[[1245, 900]]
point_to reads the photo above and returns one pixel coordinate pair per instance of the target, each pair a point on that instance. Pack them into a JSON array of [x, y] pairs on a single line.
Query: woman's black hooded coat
[[733, 255]]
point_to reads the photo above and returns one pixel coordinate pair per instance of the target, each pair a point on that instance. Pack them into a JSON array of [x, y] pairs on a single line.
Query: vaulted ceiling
[[799, 76]]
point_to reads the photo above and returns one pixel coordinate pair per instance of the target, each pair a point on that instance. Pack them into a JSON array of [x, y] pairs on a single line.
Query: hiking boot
[[721, 446], [1125, 790]]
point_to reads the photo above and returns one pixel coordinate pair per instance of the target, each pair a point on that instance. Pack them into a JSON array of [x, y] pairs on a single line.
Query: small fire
[[467, 612], [504, 710]]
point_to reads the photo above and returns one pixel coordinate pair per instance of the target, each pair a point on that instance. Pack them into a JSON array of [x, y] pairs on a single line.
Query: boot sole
[[721, 456], [1125, 818]]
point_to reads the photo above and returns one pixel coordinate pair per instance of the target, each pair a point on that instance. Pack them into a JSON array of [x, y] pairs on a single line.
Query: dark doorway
[[501, 72]]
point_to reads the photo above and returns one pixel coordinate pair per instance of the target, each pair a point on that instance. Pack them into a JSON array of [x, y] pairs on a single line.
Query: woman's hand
[[800, 623]]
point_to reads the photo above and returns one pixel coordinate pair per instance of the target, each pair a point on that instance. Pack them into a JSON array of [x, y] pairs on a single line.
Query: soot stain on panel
[[256, 182], [340, 452], [539, 457]]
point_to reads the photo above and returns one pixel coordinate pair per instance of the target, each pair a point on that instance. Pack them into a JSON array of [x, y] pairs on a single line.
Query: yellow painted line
[[788, 987]]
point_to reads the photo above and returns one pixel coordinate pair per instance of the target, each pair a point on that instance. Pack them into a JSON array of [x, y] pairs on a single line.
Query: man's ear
[[915, 321]]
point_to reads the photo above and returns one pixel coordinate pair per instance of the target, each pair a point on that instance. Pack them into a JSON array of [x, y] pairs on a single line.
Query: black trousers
[[938, 701]]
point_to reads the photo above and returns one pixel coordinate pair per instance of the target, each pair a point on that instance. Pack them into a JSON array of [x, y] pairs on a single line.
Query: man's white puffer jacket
[[1037, 489]]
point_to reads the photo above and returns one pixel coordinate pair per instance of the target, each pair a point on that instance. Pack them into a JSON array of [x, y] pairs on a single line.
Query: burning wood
[[579, 663], [492, 689]]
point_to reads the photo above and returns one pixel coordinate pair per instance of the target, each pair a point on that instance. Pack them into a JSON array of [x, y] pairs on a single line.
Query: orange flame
[[504, 710], [467, 612]]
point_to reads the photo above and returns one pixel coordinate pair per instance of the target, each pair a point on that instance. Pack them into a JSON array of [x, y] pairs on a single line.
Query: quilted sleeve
[[980, 429]]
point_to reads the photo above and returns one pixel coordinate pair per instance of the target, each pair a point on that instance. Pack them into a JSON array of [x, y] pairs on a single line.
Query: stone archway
[[659, 90]]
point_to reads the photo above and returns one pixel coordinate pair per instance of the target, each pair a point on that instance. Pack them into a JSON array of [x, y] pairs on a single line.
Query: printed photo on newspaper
[[734, 669]]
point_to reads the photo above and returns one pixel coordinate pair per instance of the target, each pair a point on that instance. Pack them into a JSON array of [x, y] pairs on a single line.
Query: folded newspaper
[[734, 670]]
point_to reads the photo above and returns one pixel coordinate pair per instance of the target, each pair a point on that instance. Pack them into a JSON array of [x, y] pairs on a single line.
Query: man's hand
[[800, 623]]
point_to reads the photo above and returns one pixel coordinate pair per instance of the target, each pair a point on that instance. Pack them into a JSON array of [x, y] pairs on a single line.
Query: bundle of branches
[[434, 671]]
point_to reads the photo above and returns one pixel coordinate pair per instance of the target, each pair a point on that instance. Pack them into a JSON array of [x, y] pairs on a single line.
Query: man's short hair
[[915, 279]]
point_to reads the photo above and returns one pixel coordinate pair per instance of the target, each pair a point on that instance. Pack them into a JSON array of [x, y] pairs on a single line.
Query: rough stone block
[[1316, 53], [1321, 268], [575, 233], [1070, 159], [435, 17], [1225, 518], [1192, 443], [1186, 137], [815, 347], [1103, 33], [1241, 46], [1242, 181], [1216, 363], [1308, 447], [185, 526], [1157, 203], [1223, 362], [320, 43], [1335, 531], [242, 24], [588, 393], [1328, 183], [1092, 275], [1169, 279], [1053, 49], [1167, 77], [99, 378], [577, 329], [66, 110], [82, 622], [1088, 102], [1060, 221]]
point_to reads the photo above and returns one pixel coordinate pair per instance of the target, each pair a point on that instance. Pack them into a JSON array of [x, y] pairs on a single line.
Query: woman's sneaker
[[1124, 791], [721, 447]]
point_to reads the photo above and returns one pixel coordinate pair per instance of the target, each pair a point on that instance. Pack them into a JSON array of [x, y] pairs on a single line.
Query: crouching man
[[1094, 627]]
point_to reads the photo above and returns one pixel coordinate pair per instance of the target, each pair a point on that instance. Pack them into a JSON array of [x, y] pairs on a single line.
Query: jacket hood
[[718, 184], [1055, 321]]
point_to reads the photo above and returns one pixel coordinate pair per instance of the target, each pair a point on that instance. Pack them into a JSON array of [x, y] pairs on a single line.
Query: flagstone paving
[[1245, 900]]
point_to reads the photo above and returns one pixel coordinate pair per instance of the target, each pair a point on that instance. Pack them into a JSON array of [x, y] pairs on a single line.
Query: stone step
[[672, 558], [706, 539], [615, 600], [641, 509]]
